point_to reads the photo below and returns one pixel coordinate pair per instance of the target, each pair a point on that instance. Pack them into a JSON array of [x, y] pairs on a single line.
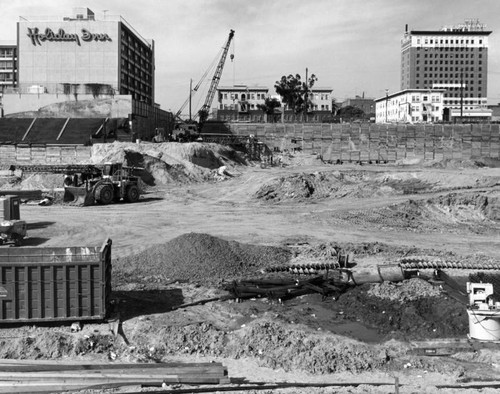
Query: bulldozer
[[109, 184], [12, 228]]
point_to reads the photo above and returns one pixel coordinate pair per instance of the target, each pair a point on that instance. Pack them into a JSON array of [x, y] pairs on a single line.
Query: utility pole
[[306, 94], [190, 93]]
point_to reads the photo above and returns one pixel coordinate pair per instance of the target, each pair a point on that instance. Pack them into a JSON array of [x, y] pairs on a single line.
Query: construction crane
[[213, 84], [217, 75]]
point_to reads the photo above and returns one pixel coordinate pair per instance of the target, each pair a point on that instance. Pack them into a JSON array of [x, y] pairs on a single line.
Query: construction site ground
[[193, 232]]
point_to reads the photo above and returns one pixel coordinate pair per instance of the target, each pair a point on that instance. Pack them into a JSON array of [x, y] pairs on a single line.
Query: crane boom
[[217, 76]]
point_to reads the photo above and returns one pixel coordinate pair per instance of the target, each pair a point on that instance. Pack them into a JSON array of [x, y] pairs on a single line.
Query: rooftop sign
[[37, 37]]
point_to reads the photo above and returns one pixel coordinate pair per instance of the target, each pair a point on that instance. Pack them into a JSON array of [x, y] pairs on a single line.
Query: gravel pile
[[407, 290], [199, 258]]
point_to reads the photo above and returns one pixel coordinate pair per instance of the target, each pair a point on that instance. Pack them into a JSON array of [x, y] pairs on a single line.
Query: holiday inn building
[[84, 55], [82, 66]]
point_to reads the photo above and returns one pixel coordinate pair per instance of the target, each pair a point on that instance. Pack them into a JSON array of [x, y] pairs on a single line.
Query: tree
[[293, 91], [270, 104], [202, 116], [350, 113], [335, 106]]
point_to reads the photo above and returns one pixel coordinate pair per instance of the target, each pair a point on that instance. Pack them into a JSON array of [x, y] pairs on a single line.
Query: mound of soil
[[454, 212], [337, 184], [409, 290], [199, 258], [170, 162]]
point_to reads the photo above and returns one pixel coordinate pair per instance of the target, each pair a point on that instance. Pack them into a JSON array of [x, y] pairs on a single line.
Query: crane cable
[[202, 79]]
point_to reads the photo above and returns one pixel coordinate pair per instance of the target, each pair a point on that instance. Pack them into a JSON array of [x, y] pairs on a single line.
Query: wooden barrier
[[379, 142], [334, 142]]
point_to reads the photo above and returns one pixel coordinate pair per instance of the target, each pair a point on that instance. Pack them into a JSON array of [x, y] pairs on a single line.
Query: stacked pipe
[[427, 263], [306, 268]]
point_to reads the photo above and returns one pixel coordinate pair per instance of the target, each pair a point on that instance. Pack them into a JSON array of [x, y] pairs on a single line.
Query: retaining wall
[[345, 142], [375, 142]]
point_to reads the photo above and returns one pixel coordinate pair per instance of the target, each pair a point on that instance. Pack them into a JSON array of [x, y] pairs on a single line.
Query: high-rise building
[[8, 64], [454, 58], [82, 54]]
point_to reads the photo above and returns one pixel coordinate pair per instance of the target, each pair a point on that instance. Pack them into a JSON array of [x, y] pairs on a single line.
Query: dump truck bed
[[55, 284]]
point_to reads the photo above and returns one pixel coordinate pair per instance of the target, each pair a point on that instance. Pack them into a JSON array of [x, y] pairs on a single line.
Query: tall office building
[[82, 54], [8, 64], [454, 58]]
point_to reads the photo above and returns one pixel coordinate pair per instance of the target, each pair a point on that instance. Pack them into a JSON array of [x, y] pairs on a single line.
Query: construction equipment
[[483, 311], [12, 228], [204, 111], [111, 183], [186, 132]]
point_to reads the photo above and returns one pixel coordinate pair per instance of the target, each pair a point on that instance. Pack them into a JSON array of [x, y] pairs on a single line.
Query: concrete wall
[[49, 154], [373, 142]]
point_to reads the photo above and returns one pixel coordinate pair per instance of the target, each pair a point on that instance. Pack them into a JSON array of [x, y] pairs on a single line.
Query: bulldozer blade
[[78, 196]]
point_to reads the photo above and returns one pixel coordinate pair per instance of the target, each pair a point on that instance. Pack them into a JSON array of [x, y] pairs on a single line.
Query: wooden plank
[[79, 364]]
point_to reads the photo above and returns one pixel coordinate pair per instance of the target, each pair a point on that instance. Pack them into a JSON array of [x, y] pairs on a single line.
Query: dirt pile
[[471, 212], [340, 184], [199, 258], [291, 348], [410, 290], [169, 162], [273, 343]]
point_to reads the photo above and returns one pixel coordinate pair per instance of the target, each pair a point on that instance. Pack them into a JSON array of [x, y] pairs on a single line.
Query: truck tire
[[132, 194], [104, 194]]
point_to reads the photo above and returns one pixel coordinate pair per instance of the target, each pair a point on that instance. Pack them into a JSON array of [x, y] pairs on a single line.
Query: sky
[[352, 46]]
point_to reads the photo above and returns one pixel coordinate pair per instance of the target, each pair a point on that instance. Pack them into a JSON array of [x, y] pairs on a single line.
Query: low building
[[410, 106], [367, 105], [241, 98], [241, 103], [321, 99]]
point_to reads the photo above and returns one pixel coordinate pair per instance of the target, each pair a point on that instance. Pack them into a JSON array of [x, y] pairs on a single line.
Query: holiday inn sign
[[37, 37]]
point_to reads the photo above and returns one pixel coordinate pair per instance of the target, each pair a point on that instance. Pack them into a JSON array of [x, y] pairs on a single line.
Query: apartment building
[[410, 106]]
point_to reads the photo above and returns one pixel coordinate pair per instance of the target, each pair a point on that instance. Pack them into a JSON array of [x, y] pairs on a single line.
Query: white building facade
[[410, 106], [241, 98]]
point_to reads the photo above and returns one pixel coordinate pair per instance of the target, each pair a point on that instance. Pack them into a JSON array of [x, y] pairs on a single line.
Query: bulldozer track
[[426, 263]]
